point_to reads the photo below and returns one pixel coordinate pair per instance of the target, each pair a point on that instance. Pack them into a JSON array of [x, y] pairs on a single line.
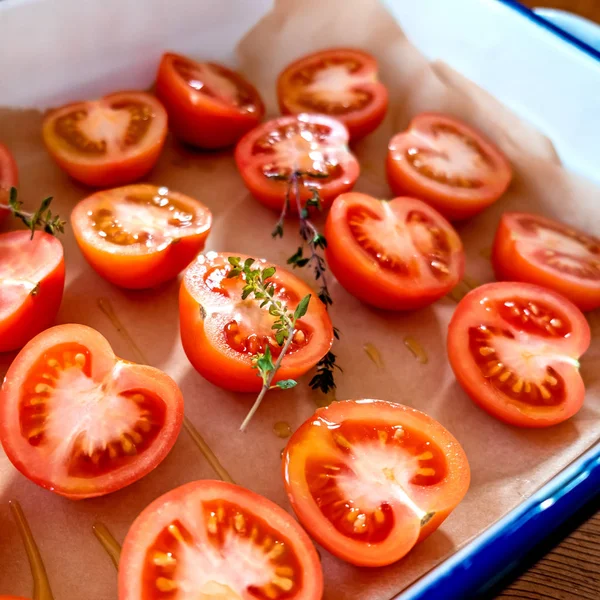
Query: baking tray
[[519, 47]]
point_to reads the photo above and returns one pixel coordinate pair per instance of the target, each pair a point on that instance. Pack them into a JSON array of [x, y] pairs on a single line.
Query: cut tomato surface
[[539, 250], [139, 236], [448, 164], [209, 105], [211, 539], [107, 142], [9, 177], [341, 83], [221, 333], [32, 279], [369, 479], [398, 254], [81, 422], [514, 348], [313, 146]]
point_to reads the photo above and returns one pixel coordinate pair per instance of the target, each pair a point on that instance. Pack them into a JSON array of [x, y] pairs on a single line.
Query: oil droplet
[[471, 282], [108, 542], [107, 308], [281, 453], [322, 400], [282, 429], [373, 354], [463, 288], [486, 253], [41, 585], [417, 350]]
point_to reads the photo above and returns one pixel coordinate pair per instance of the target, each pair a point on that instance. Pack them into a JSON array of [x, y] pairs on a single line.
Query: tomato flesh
[[212, 539], [107, 142], [448, 164], [221, 333], [209, 105], [32, 278], [369, 478], [399, 254], [79, 421], [8, 177], [341, 83], [514, 349], [140, 236], [538, 250], [312, 146]]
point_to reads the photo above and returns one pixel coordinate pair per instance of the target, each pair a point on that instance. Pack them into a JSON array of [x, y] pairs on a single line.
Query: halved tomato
[[221, 333], [209, 105], [211, 539], [341, 83], [9, 177], [313, 146], [369, 479], [448, 164], [79, 421], [111, 141], [395, 254], [514, 348], [32, 279], [539, 250], [139, 236]]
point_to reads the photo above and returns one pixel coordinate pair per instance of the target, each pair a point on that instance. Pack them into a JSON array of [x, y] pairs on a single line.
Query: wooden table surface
[[571, 571]]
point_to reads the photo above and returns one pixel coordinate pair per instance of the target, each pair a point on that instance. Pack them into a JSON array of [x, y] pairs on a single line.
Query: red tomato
[[209, 105], [9, 177], [341, 83], [514, 349], [32, 278], [124, 421], [369, 479], [141, 235], [448, 164], [211, 539], [398, 254], [314, 145], [539, 250], [107, 142], [221, 333]]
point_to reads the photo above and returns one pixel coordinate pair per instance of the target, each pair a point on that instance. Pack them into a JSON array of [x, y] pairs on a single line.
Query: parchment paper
[[507, 464]]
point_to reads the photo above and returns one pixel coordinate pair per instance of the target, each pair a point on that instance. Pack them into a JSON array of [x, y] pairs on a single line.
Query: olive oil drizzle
[[463, 288], [108, 542], [106, 307], [41, 585], [416, 349], [373, 353]]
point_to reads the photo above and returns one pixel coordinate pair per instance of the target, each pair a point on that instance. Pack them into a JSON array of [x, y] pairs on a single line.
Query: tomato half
[[514, 348], [341, 83], [107, 142], [141, 235], [314, 145], [539, 250], [448, 164], [369, 479], [397, 254], [209, 105], [9, 177], [79, 421], [211, 539], [32, 279], [221, 333]]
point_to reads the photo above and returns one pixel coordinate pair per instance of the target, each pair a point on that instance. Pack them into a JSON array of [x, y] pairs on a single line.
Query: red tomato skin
[[480, 389], [367, 287], [203, 126], [510, 265], [404, 183], [37, 312], [9, 176]]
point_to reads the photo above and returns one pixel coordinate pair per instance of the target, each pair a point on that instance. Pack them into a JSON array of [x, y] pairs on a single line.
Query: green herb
[[309, 255], [258, 286], [42, 218]]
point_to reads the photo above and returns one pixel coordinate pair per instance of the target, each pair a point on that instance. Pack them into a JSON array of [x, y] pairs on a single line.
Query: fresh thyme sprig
[[258, 285], [42, 218], [314, 242]]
